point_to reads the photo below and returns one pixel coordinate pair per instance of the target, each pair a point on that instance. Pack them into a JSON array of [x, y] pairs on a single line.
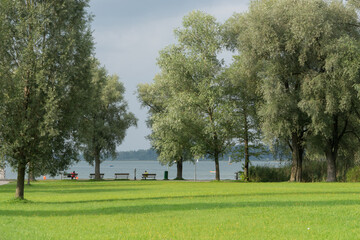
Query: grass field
[[181, 210]]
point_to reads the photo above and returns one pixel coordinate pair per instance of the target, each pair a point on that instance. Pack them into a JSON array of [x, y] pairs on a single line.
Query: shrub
[[314, 171], [269, 174], [353, 175]]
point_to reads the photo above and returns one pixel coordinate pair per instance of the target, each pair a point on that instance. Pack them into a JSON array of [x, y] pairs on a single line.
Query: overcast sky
[[129, 35]]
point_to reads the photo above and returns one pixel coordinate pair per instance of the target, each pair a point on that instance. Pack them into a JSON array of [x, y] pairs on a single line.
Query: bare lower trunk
[[297, 155], [97, 165], [217, 167], [247, 160], [331, 166], [30, 174], [332, 148], [20, 181], [246, 146], [179, 168]]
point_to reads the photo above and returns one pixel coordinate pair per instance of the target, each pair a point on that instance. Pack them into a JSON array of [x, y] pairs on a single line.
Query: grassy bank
[[181, 210]]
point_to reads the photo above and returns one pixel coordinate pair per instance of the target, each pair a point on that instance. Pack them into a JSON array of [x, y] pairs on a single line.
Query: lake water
[[202, 169]]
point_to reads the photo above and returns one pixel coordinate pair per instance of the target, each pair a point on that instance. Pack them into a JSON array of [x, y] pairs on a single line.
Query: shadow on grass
[[97, 190], [68, 189], [189, 197], [157, 208]]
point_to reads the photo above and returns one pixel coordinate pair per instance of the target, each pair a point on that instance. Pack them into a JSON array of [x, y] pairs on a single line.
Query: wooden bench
[[92, 175], [122, 175], [149, 176], [70, 175]]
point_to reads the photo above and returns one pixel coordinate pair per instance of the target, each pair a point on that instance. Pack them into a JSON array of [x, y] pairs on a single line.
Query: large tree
[[105, 123], [194, 70], [44, 72], [306, 51], [170, 137], [328, 94]]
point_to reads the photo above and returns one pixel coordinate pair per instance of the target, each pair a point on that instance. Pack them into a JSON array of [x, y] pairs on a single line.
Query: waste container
[[166, 175]]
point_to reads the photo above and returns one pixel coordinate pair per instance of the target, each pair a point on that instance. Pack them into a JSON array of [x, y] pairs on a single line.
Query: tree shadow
[[157, 208], [243, 195]]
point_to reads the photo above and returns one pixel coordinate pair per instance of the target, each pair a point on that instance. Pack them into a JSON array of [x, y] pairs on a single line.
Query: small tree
[[169, 136], [242, 92], [104, 125]]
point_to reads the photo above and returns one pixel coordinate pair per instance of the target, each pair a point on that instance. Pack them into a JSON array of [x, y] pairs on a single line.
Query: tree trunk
[[97, 165], [30, 174], [179, 168], [217, 167], [246, 145], [246, 165], [297, 155], [19, 194], [332, 149], [331, 165]]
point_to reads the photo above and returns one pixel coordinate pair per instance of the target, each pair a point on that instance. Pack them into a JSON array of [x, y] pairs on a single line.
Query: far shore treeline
[[151, 155]]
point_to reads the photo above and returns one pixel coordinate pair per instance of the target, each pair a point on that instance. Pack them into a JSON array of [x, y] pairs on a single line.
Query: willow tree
[[193, 68], [328, 93], [104, 125], [169, 135], [303, 48], [242, 92], [44, 72]]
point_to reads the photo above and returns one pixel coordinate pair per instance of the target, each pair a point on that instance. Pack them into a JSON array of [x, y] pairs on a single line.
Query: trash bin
[[166, 175]]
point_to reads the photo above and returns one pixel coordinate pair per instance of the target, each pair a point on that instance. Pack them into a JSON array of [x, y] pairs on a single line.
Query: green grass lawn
[[181, 210]]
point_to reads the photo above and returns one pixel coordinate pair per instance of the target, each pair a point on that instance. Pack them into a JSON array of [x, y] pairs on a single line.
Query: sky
[[128, 36]]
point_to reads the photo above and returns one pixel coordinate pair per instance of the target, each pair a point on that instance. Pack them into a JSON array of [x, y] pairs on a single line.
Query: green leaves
[[44, 69], [106, 120]]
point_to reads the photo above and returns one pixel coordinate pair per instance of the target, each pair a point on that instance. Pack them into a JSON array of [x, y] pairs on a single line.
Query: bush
[[314, 171], [353, 175], [269, 174]]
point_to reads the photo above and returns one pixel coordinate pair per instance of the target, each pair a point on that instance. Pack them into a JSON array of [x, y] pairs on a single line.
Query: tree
[[44, 72], [194, 71], [304, 49], [329, 96], [242, 92], [104, 125], [169, 136]]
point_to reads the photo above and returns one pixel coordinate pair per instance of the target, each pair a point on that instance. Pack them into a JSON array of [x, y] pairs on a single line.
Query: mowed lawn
[[181, 210]]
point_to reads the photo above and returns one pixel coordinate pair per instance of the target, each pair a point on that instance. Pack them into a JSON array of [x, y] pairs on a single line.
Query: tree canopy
[[104, 125], [44, 71]]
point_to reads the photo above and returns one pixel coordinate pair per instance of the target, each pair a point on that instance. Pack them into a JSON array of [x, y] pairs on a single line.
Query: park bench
[[69, 175], [121, 175], [149, 176], [92, 175]]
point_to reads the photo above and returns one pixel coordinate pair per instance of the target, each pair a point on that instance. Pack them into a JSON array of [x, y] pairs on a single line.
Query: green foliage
[[107, 118], [45, 61], [269, 174], [306, 54], [353, 174], [314, 170], [189, 115]]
